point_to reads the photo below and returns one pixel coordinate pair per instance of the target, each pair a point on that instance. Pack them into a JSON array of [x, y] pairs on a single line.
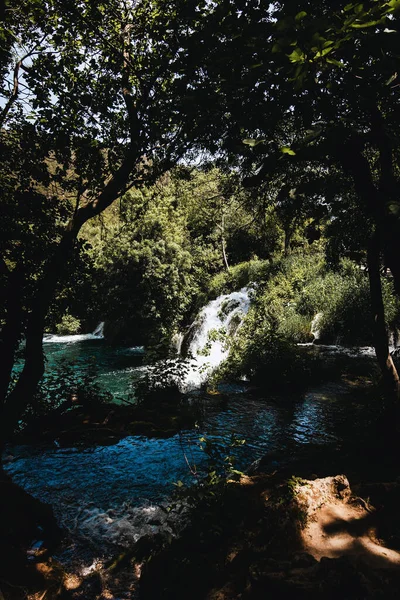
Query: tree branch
[[14, 95]]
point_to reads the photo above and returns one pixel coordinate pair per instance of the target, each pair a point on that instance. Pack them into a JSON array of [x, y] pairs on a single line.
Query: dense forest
[[217, 185]]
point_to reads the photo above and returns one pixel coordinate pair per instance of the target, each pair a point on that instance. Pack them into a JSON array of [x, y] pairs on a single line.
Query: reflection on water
[[97, 489], [118, 367], [110, 495]]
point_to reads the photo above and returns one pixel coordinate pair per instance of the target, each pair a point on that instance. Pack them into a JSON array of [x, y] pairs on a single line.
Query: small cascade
[[97, 334], [316, 326], [99, 331], [176, 342], [209, 335]]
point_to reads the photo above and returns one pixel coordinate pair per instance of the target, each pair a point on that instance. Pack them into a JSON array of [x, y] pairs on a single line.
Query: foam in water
[[336, 349], [316, 325], [97, 334], [219, 319], [125, 525]]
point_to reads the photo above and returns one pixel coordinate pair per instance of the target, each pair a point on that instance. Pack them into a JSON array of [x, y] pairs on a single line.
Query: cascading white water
[[176, 342], [97, 334], [99, 331], [215, 323], [316, 326]]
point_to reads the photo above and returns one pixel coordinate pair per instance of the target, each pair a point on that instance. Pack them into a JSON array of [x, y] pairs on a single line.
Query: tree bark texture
[[33, 369], [388, 369], [17, 400], [386, 238]]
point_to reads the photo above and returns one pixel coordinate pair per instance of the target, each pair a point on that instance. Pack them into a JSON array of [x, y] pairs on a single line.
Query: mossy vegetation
[[157, 154], [286, 299]]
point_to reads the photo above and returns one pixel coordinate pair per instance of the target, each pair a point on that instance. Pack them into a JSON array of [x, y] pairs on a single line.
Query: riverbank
[[293, 531], [236, 529], [280, 536], [29, 534], [94, 423]]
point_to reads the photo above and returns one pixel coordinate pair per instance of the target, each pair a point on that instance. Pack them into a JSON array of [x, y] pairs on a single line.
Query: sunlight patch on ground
[[342, 527]]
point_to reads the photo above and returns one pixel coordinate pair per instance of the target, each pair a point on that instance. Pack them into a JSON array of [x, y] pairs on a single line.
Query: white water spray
[[215, 323], [316, 326], [97, 334]]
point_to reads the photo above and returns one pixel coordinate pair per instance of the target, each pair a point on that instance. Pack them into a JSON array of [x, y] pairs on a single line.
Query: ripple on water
[[111, 495]]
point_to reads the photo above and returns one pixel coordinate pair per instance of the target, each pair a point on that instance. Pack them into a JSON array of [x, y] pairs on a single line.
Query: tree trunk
[[384, 238], [10, 337], [389, 201], [388, 369], [288, 231], [223, 243], [26, 386], [376, 203], [32, 372], [390, 242]]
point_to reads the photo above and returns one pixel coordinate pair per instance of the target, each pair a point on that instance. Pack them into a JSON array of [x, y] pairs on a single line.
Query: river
[[107, 497]]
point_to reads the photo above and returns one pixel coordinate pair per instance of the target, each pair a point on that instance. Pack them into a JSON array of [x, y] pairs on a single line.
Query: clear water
[[108, 496], [118, 367]]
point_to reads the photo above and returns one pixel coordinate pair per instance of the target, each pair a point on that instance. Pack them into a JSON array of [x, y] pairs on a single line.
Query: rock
[[313, 494]]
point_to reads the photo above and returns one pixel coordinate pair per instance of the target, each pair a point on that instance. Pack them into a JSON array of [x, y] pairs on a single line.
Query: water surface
[[109, 496]]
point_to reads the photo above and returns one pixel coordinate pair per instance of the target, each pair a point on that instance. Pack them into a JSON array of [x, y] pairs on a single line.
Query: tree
[[113, 91], [155, 256], [316, 86]]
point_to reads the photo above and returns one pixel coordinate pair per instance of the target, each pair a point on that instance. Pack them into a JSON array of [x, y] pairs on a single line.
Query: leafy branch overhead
[[102, 98]]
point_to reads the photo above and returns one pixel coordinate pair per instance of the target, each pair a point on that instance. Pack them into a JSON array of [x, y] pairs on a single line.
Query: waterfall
[[176, 342], [99, 331], [316, 326], [97, 334], [208, 335]]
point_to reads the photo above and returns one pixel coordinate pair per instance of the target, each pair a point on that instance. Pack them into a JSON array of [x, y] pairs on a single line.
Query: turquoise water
[[108, 496], [118, 367]]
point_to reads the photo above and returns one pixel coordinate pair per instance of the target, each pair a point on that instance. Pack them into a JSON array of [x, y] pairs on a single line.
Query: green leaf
[[287, 150], [391, 79], [365, 25], [393, 5], [252, 142], [324, 52], [300, 15], [297, 56], [394, 208], [335, 62]]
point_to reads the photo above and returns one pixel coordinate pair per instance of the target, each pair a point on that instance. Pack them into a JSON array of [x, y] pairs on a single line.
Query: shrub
[[163, 380], [69, 325], [295, 327], [239, 276], [60, 384], [299, 287], [343, 297], [263, 353]]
